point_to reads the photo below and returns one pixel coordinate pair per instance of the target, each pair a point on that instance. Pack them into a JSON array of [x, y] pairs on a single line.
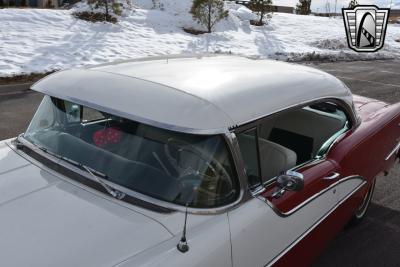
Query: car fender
[[209, 245]]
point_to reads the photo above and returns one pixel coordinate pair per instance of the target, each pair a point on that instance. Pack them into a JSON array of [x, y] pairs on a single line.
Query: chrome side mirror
[[289, 181]]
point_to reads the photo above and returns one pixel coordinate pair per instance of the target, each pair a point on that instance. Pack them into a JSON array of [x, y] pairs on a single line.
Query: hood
[[47, 221]]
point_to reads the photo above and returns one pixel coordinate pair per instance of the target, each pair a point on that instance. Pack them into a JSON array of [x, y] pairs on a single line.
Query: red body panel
[[361, 151], [313, 183], [310, 247]]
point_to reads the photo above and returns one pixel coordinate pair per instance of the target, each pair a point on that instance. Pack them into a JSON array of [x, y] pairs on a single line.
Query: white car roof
[[204, 95]]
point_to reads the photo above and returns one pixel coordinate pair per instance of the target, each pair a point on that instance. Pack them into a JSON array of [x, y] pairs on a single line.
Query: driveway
[[376, 241]]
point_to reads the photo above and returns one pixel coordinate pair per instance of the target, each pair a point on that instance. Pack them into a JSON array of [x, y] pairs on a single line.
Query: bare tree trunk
[[262, 12], [335, 7], [106, 2], [209, 16]]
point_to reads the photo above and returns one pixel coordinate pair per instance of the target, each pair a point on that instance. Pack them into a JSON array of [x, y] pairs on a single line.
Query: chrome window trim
[[355, 122], [175, 207], [316, 224], [327, 145], [313, 197], [256, 129], [351, 118]]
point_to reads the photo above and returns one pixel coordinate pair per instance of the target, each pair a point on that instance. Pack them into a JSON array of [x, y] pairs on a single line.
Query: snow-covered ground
[[34, 40]]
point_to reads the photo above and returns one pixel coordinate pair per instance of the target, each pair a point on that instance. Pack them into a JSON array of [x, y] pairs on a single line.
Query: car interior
[[164, 164], [290, 138]]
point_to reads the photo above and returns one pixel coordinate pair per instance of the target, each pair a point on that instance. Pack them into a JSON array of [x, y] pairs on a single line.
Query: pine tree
[[303, 7], [1, 3], [262, 8], [208, 12], [353, 4], [24, 3]]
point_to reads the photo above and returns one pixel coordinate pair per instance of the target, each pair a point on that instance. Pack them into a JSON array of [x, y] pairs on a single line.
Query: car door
[[293, 228], [264, 229]]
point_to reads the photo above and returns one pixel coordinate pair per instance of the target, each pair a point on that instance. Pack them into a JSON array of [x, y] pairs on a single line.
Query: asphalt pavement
[[376, 241]]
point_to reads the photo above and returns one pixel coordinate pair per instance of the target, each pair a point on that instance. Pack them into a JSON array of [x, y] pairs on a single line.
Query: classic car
[[190, 161]]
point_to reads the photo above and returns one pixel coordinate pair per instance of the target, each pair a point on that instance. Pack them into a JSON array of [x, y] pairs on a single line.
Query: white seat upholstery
[[274, 158], [318, 125]]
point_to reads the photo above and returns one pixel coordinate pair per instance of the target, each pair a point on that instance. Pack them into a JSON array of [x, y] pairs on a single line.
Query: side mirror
[[289, 181]]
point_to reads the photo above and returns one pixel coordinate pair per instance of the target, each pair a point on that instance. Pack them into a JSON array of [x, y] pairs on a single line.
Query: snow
[[40, 40], [244, 13]]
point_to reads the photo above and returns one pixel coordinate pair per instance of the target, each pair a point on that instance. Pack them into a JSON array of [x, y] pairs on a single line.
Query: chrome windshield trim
[[233, 145], [313, 197], [395, 150], [131, 193]]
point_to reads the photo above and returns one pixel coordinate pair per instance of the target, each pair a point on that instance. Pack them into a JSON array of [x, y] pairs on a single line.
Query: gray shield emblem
[[365, 27]]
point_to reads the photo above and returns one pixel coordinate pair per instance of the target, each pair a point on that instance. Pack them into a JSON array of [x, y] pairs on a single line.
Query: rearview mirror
[[289, 181]]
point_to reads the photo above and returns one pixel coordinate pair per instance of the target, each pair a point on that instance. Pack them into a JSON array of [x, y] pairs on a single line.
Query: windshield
[[180, 168]]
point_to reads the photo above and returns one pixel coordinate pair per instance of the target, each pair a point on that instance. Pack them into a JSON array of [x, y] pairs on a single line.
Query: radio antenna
[[183, 245]]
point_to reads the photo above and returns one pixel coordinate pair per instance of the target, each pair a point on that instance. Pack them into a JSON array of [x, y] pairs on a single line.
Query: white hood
[[46, 221]]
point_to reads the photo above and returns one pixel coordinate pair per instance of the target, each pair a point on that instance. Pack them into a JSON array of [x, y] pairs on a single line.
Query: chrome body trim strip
[[307, 201], [334, 176], [395, 150], [315, 225]]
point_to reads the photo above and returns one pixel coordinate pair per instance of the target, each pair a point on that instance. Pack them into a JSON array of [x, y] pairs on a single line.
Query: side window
[[248, 147], [295, 137]]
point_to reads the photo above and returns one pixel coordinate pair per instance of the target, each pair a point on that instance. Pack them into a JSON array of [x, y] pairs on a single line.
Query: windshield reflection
[[170, 166]]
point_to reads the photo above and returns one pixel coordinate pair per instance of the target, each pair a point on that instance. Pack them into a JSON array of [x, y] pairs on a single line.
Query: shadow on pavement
[[375, 242]]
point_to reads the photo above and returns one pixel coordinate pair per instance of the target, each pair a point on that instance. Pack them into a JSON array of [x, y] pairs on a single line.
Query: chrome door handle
[[333, 176]]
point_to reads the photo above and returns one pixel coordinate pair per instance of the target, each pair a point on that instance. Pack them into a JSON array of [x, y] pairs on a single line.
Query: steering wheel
[[217, 169]]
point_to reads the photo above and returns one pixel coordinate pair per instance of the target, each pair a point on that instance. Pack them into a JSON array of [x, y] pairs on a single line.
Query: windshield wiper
[[95, 174], [112, 191]]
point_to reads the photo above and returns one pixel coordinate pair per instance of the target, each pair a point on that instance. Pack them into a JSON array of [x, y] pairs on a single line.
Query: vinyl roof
[[196, 95]]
